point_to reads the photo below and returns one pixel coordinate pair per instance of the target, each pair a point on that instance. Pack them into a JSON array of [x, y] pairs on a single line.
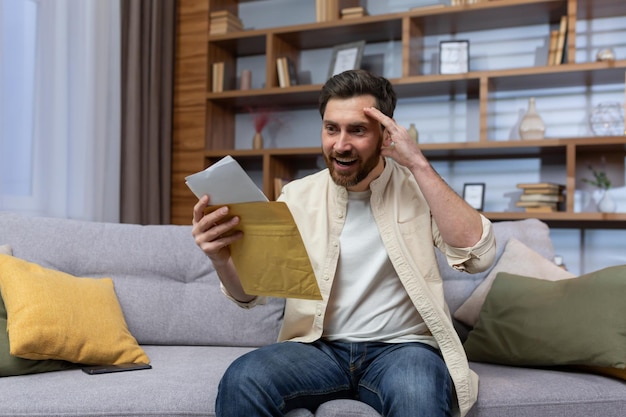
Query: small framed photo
[[346, 57], [474, 195], [453, 57]]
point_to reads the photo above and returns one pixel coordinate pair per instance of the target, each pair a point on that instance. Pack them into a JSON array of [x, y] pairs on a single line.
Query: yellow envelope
[[270, 257]]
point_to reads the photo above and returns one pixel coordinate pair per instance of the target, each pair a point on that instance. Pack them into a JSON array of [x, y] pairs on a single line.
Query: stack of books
[[224, 21], [541, 197], [353, 12]]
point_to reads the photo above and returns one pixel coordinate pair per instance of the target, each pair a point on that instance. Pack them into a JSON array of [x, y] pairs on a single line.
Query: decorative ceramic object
[[413, 132], [606, 204], [261, 117], [606, 54], [246, 79], [531, 126], [257, 141], [606, 119]]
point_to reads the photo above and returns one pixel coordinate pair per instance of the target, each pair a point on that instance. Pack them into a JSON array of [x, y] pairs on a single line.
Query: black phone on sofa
[[107, 369]]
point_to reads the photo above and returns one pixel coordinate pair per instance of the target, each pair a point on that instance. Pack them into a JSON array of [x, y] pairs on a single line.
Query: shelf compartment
[[489, 15], [565, 75]]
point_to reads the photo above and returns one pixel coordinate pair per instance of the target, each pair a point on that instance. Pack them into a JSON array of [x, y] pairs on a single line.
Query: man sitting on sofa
[[382, 333]]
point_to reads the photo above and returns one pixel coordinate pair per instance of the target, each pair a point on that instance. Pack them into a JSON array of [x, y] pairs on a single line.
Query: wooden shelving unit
[[204, 122]]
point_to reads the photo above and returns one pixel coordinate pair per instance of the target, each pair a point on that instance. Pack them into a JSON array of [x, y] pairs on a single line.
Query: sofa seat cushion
[[506, 391], [182, 382]]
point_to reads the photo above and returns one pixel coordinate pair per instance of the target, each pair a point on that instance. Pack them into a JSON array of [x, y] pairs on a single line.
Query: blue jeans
[[406, 379]]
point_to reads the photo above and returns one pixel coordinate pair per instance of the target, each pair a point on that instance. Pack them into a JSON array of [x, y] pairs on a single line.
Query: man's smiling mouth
[[345, 161]]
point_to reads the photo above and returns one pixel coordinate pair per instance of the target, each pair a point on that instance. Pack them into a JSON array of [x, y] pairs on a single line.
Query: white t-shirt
[[368, 302]]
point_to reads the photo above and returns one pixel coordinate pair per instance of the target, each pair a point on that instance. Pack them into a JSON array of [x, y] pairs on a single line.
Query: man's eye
[[330, 129], [359, 131]]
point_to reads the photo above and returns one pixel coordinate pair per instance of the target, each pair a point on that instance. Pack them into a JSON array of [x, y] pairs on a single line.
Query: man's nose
[[343, 142]]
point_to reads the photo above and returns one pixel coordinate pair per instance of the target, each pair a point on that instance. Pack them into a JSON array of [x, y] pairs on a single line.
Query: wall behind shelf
[[589, 250], [263, 14]]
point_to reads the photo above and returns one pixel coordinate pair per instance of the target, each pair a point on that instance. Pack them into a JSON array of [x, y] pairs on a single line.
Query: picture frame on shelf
[[474, 194], [346, 57], [454, 57]]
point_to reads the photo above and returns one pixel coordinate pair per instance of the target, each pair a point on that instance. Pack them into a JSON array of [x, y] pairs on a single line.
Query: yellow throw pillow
[[54, 315]]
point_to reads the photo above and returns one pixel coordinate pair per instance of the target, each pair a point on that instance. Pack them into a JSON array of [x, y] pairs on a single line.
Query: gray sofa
[[170, 297]]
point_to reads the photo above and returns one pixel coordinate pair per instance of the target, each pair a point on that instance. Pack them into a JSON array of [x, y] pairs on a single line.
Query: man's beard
[[364, 168]]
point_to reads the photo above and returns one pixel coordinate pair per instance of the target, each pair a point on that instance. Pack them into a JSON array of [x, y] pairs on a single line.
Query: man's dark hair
[[359, 82]]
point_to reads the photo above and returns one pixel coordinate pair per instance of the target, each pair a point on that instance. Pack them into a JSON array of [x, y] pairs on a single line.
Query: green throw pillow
[[11, 365], [533, 322]]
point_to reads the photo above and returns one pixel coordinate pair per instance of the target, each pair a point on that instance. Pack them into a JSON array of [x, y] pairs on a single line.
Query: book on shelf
[[223, 21], [222, 77], [531, 204], [554, 38], [282, 71], [292, 78], [353, 12], [322, 11], [538, 197], [561, 40], [541, 185], [286, 69], [546, 190], [541, 209], [217, 77]]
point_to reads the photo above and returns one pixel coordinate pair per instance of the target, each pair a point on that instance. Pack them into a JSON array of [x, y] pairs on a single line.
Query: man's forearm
[[459, 224], [230, 280]]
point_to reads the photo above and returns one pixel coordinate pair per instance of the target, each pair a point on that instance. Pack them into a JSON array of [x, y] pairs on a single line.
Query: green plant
[[599, 180]]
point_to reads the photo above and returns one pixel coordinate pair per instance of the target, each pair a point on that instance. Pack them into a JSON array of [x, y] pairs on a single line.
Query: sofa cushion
[[533, 233], [53, 315], [458, 285], [532, 322], [518, 259], [168, 289], [11, 365], [182, 383]]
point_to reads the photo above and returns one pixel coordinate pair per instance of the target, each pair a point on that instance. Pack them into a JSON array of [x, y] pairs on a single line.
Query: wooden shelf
[[567, 220], [204, 122], [499, 149], [567, 75]]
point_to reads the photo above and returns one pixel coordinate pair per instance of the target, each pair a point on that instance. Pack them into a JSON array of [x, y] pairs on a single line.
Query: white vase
[[531, 126], [606, 204]]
